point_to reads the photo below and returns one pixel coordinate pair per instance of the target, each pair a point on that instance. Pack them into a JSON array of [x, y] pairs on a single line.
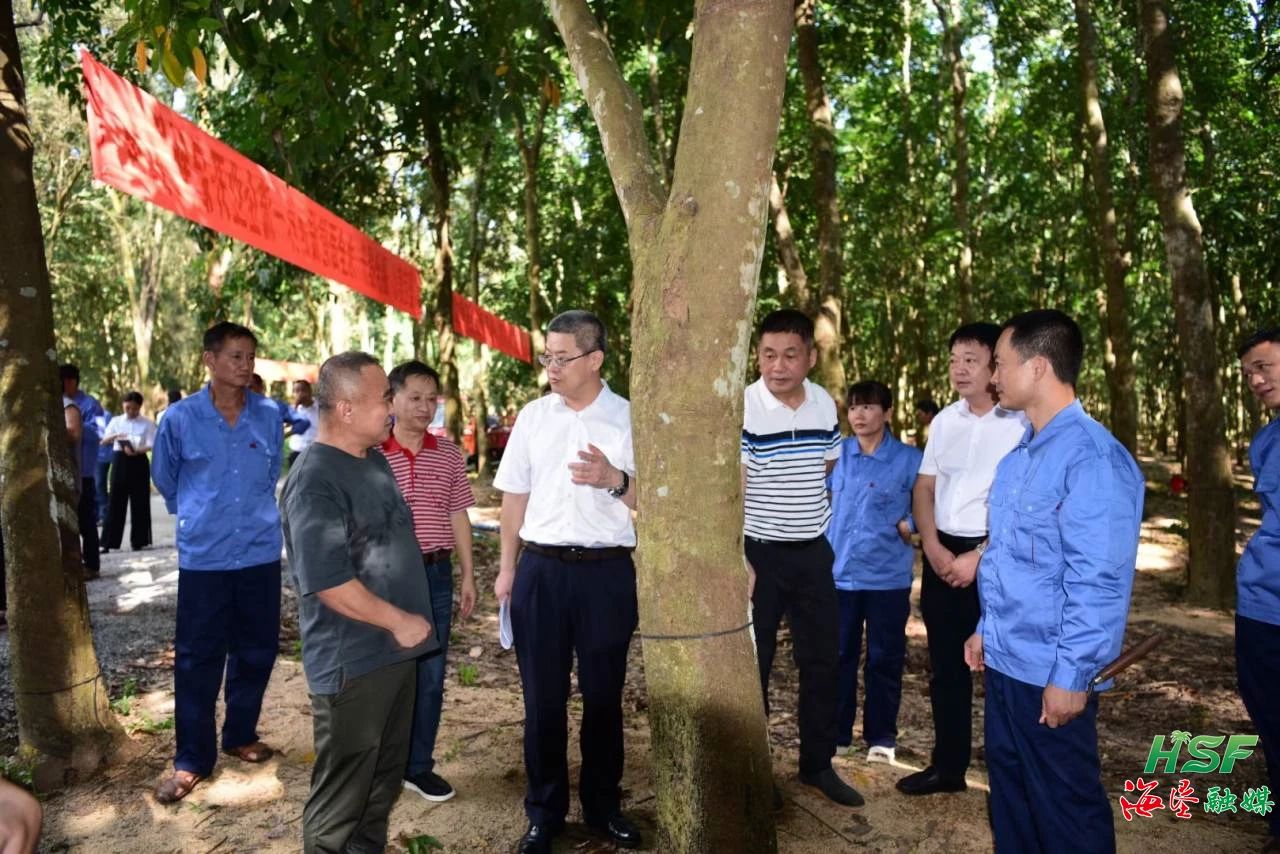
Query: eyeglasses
[[548, 361]]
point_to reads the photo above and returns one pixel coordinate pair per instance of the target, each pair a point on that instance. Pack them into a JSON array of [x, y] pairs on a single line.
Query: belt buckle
[[575, 553]]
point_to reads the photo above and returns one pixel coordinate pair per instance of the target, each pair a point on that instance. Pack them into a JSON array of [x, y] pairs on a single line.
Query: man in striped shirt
[[790, 442], [432, 477]]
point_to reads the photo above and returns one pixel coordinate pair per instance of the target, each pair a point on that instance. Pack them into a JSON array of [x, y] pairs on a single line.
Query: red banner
[[486, 327], [147, 150]]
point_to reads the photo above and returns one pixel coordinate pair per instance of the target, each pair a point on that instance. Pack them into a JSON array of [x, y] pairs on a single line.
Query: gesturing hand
[[594, 470]]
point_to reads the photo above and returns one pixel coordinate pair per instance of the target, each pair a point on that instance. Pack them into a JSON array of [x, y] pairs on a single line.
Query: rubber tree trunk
[[1211, 577], [530, 145], [59, 691], [829, 309], [1121, 381], [951, 12], [442, 203], [696, 255]]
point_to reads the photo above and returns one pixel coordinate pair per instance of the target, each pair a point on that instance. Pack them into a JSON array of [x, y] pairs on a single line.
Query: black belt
[[437, 556], [971, 541], [786, 544], [574, 554]]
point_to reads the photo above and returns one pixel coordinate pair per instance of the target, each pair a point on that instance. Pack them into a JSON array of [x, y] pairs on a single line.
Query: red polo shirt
[[434, 484]]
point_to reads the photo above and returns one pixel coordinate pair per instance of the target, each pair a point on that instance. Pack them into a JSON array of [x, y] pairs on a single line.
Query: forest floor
[[1188, 683]]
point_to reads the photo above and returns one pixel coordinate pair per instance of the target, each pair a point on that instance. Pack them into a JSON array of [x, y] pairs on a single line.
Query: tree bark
[[476, 245], [1121, 380], [59, 691], [828, 312], [530, 157], [951, 12], [696, 260], [443, 268], [784, 238], [1211, 577]]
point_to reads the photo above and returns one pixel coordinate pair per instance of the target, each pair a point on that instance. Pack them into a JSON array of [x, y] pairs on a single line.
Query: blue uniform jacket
[[221, 481], [1065, 514], [870, 494], [1258, 576]]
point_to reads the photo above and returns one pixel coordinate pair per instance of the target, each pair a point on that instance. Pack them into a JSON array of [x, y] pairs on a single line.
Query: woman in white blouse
[[131, 436]]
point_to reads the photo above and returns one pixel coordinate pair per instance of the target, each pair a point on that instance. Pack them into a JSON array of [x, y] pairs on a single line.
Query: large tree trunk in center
[[696, 256], [442, 197], [59, 691], [952, 14], [1211, 579], [1121, 383]]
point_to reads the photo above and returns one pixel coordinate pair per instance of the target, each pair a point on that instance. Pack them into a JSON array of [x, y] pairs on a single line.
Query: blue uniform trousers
[[559, 609], [1046, 784], [1258, 671], [884, 614], [227, 620]]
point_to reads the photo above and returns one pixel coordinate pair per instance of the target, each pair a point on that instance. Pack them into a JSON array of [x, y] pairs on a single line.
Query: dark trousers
[[559, 609], [361, 743], [1258, 671], [130, 490], [227, 620], [429, 699], [1046, 784], [87, 511], [884, 615], [950, 616], [101, 472], [795, 580]]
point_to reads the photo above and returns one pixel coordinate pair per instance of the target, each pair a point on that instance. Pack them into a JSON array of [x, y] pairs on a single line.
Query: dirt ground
[[1188, 683]]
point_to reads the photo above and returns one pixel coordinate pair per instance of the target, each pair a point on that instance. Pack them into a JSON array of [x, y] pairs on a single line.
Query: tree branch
[[637, 178]]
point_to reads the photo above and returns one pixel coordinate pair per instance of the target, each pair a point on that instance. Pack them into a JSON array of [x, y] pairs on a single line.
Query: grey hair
[[587, 329], [338, 376]]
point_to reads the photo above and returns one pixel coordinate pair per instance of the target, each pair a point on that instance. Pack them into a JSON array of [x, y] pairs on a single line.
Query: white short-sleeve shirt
[[140, 431], [545, 439], [962, 453]]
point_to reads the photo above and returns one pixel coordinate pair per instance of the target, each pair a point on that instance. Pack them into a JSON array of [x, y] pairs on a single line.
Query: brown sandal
[[176, 786], [256, 752]]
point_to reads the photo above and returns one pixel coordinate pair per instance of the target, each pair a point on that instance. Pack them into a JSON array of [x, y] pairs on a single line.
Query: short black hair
[[788, 320], [303, 381], [133, 397], [870, 392], [927, 404], [413, 368], [1262, 336], [69, 372], [587, 330], [986, 334], [337, 374], [218, 334], [175, 395], [1050, 333]]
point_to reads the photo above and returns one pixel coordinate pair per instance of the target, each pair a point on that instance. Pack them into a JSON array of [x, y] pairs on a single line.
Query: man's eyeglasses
[[549, 361]]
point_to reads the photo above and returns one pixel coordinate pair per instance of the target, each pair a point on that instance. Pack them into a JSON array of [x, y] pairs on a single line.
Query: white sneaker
[[880, 753]]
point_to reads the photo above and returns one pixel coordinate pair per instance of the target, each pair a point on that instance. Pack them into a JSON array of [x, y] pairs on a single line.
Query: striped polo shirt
[[785, 452], [434, 485]]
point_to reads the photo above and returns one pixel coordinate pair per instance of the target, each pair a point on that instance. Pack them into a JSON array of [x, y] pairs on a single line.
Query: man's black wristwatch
[[621, 490]]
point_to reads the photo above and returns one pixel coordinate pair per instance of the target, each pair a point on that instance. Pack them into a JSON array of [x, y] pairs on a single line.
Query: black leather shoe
[[930, 782], [619, 829], [829, 783], [537, 839]]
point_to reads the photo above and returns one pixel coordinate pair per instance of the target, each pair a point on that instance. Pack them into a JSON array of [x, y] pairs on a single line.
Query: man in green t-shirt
[[362, 608]]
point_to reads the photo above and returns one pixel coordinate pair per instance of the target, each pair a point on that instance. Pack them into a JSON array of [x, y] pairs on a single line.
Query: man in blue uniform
[[870, 534], [1054, 582], [1258, 577]]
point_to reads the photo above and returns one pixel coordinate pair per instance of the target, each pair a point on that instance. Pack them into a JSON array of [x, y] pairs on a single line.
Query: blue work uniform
[[220, 481], [1054, 583], [870, 495], [1258, 609]]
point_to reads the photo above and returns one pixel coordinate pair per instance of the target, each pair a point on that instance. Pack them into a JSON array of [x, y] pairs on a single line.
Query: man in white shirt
[[567, 478], [305, 405], [790, 442], [966, 441]]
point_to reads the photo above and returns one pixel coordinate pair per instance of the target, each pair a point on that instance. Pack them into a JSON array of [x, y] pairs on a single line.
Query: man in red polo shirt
[[432, 476]]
